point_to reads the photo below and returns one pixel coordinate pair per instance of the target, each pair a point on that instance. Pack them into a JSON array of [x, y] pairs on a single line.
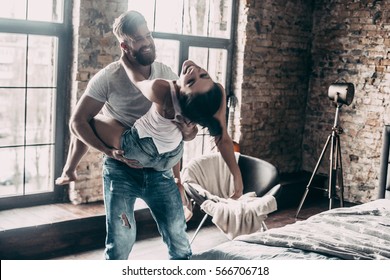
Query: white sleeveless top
[[165, 134]]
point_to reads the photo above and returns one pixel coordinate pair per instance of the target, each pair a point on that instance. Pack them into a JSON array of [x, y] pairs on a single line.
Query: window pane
[[12, 60], [199, 56], [217, 65], [45, 10], [11, 174], [213, 60], [40, 10], [12, 121], [196, 16], [168, 53], [220, 18], [15, 9], [146, 8], [42, 61], [39, 177], [40, 116], [169, 16], [26, 175], [210, 18], [202, 144]]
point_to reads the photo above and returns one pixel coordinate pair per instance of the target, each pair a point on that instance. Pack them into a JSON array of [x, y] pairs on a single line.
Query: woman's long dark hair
[[201, 107]]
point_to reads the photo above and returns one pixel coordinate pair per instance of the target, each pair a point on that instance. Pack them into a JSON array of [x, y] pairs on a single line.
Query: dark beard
[[145, 60]]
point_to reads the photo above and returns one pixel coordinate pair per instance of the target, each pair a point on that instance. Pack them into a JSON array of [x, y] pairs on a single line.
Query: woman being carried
[[155, 140]]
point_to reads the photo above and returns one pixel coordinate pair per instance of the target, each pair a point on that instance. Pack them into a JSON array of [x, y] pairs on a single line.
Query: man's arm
[[86, 109]]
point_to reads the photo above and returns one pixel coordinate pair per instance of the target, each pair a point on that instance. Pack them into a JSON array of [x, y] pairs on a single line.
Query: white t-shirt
[[123, 100], [164, 132]]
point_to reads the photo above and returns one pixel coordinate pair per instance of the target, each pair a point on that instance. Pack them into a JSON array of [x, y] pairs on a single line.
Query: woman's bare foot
[[66, 178]]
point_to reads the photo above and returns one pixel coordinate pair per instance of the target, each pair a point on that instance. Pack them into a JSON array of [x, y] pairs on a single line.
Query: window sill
[[53, 213]]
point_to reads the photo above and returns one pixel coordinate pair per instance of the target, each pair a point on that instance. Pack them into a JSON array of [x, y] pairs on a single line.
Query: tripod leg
[[340, 173], [332, 170], [312, 176]]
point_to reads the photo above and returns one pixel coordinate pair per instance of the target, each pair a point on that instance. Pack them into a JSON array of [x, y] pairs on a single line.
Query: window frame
[[63, 32]]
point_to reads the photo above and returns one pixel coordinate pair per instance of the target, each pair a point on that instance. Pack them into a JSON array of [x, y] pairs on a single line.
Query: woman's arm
[[225, 147]]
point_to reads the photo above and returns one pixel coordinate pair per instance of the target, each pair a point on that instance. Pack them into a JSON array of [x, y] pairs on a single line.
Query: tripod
[[335, 165]]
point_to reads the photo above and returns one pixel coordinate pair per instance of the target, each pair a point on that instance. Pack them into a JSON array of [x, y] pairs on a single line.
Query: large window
[[200, 30], [33, 39]]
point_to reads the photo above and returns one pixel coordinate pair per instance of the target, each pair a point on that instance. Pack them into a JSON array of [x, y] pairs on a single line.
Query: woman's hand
[[236, 195], [238, 189]]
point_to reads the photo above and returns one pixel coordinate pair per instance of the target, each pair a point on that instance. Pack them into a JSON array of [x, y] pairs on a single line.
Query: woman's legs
[[77, 149], [107, 129]]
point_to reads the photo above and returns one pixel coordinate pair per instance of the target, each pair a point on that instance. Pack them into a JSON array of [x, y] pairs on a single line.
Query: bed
[[359, 232]]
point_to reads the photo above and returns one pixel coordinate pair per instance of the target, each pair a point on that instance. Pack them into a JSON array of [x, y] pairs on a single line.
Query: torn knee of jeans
[[125, 221]]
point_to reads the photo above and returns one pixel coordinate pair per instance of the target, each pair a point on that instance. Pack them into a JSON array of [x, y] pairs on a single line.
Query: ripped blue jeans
[[122, 185]]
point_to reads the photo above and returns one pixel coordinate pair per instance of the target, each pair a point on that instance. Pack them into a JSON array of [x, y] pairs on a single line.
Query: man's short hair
[[126, 24]]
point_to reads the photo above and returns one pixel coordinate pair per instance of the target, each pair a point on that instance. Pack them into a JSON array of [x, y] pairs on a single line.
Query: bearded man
[[111, 92]]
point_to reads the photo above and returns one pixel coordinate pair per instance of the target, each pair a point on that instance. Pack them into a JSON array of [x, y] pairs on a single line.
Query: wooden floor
[[209, 236], [154, 248], [66, 231], [71, 232]]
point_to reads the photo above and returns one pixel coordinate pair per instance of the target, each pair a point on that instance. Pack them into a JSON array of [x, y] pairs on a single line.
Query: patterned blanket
[[359, 232]]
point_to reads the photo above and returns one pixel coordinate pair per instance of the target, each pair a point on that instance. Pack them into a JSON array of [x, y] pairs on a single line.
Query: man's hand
[[118, 155], [188, 129]]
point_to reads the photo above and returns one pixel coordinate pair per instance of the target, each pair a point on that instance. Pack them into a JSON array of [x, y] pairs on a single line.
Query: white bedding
[[358, 232]]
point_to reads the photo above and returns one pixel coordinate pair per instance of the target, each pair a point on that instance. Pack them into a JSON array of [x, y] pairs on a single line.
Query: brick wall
[[350, 42], [271, 81], [95, 46], [287, 55]]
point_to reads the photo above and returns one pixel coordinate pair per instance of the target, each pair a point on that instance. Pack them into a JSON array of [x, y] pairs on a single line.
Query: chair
[[210, 174]]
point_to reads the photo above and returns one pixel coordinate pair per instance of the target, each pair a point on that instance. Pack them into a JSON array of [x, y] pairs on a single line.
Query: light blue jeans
[[122, 185], [145, 151]]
